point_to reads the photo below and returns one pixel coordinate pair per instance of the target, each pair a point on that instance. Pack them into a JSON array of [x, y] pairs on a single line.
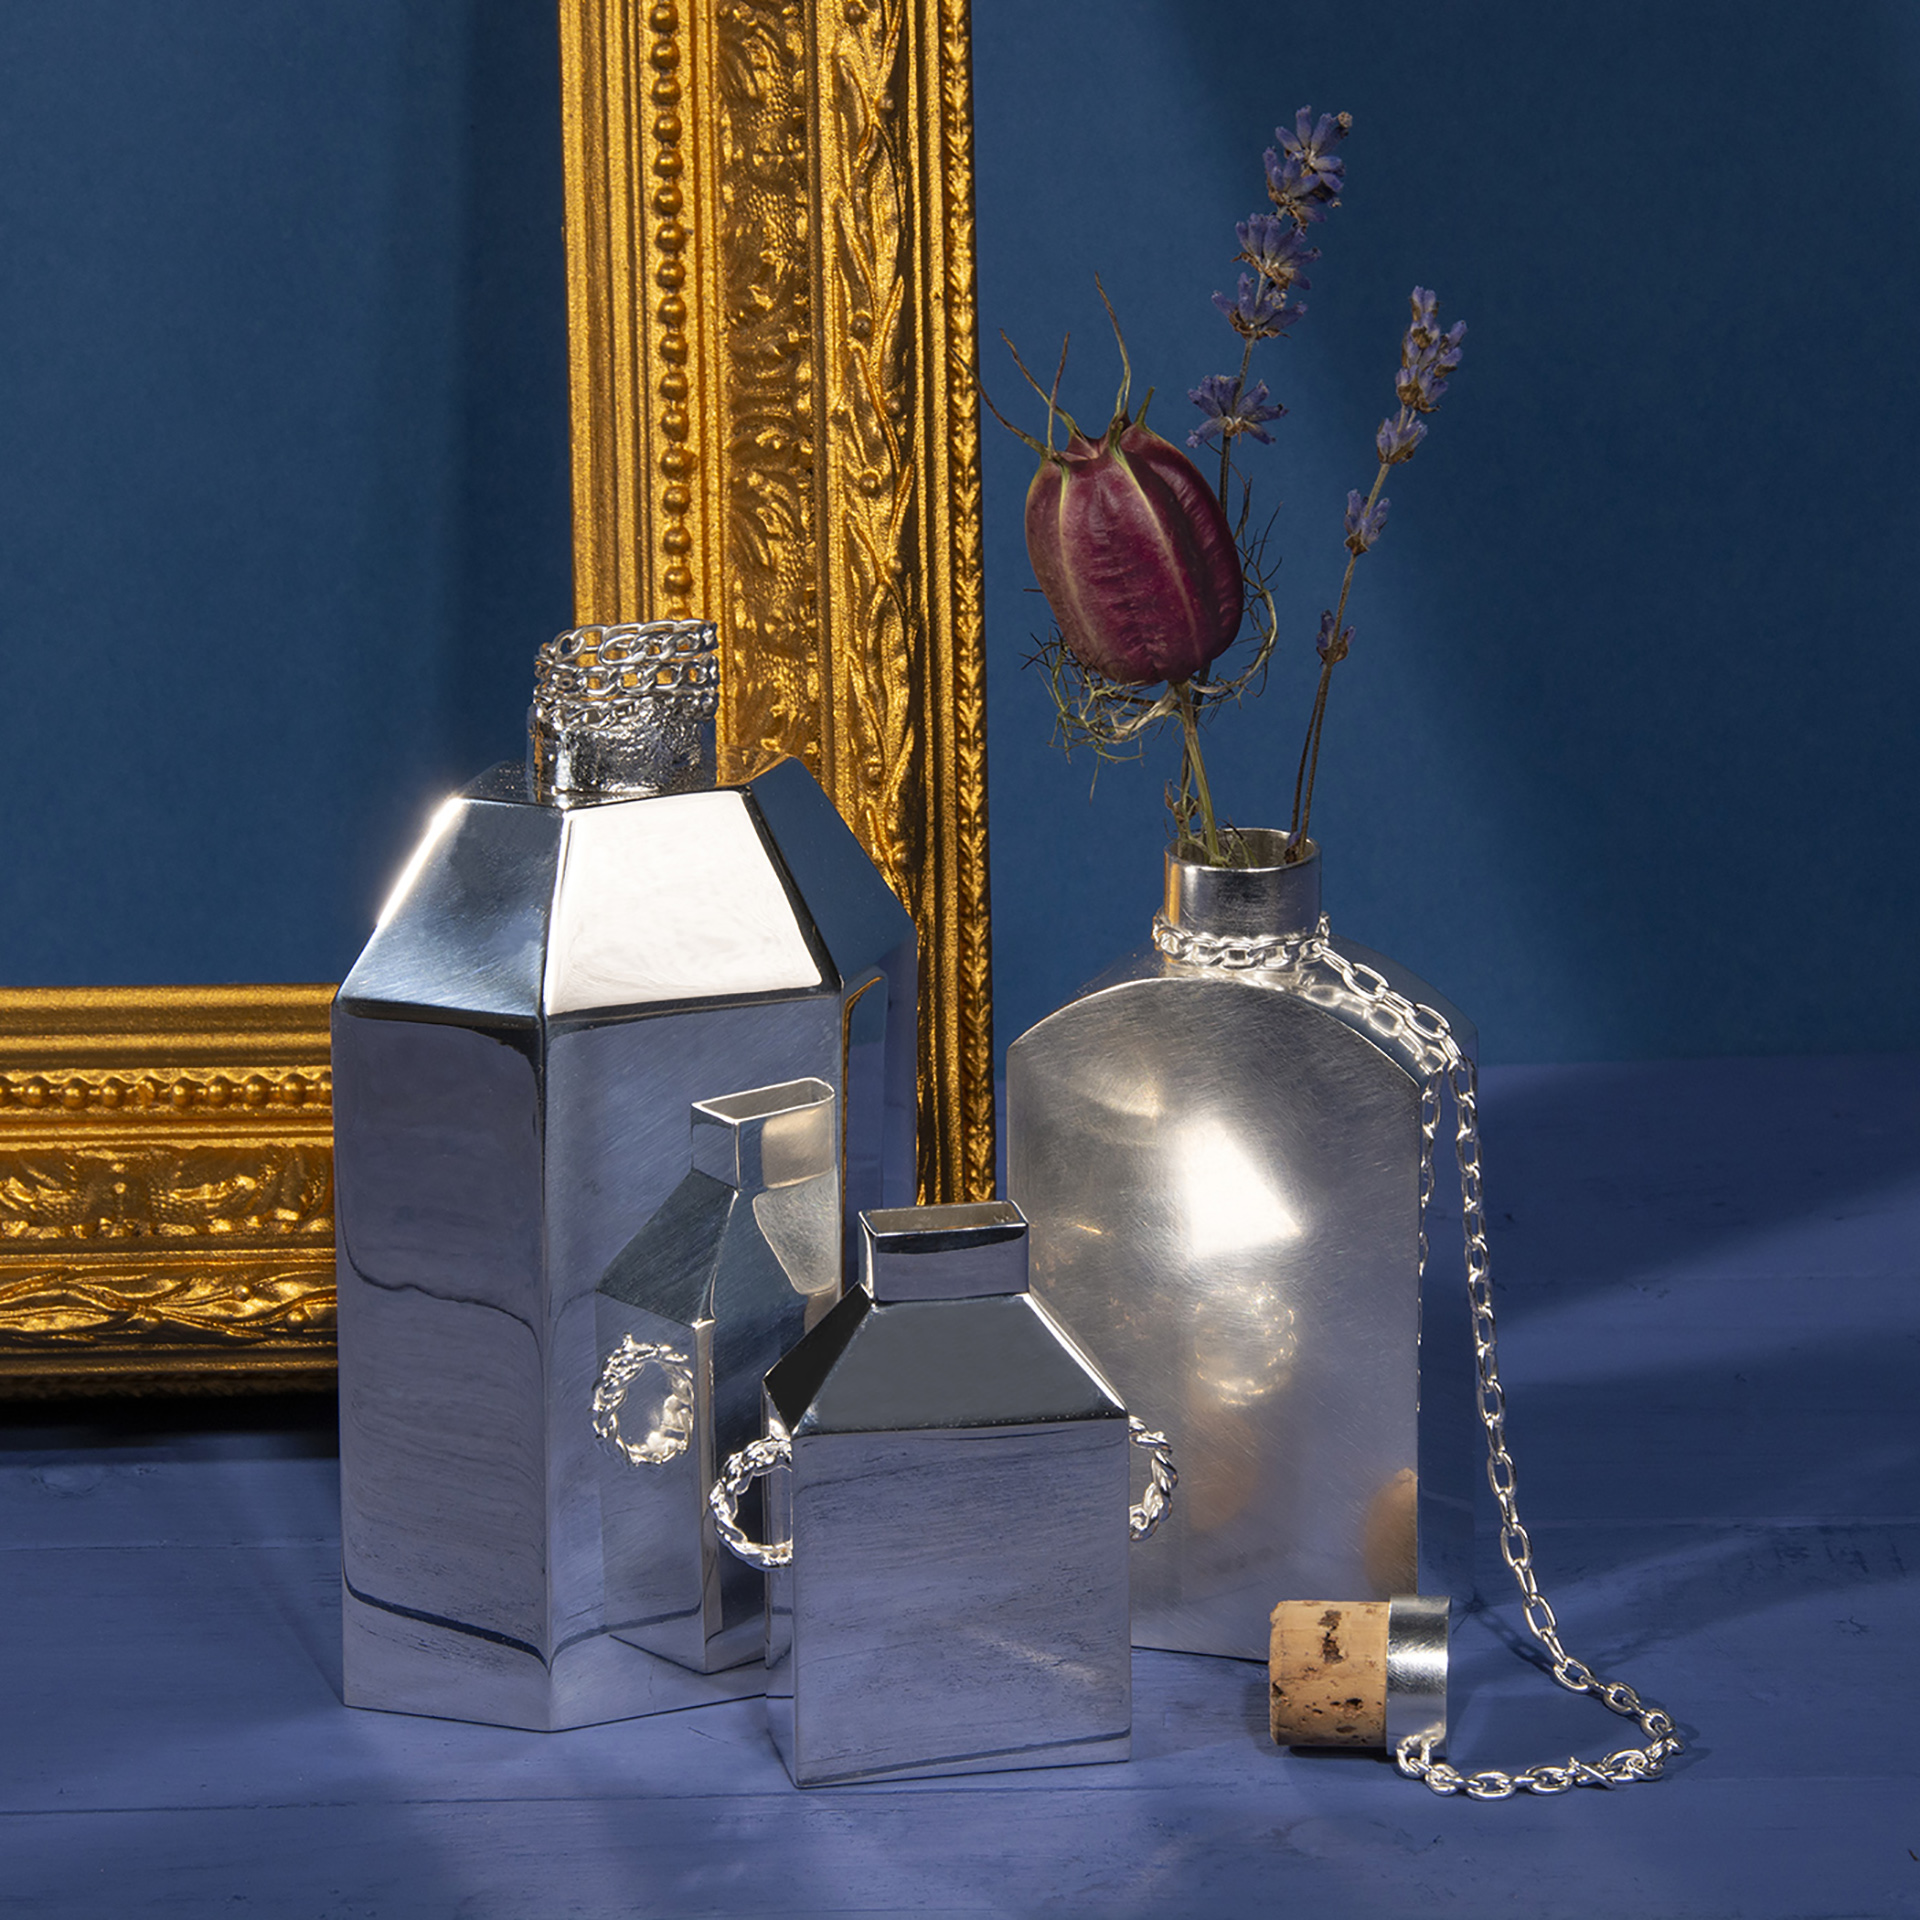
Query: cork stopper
[[1359, 1673], [1327, 1672]]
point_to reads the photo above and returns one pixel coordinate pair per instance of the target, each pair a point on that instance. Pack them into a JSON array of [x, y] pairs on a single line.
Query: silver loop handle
[[672, 1429], [742, 1470], [1162, 1477]]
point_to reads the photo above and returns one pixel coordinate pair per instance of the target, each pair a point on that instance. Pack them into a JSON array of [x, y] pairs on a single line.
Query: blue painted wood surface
[[1711, 1323]]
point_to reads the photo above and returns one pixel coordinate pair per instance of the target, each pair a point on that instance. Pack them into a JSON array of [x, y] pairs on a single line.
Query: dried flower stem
[[1226, 439], [1190, 731], [1310, 747], [1193, 772]]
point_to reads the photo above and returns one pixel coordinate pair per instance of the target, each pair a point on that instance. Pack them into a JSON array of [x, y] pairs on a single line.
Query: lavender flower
[[1427, 355], [1364, 522], [1331, 646], [1303, 178], [1399, 436], [1230, 411], [1276, 249], [1261, 311]]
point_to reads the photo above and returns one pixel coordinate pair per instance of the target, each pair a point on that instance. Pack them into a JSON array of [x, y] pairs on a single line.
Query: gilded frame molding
[[166, 1189], [771, 320], [776, 426]]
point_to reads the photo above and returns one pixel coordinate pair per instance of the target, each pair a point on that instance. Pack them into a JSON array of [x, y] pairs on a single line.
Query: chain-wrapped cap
[[625, 710]]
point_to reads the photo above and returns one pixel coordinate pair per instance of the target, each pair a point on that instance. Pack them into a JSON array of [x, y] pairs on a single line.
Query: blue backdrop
[[1622, 760], [283, 461]]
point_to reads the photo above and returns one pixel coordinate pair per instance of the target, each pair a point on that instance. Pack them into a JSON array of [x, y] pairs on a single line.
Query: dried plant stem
[[1191, 760], [1226, 439], [1192, 773], [1310, 747]]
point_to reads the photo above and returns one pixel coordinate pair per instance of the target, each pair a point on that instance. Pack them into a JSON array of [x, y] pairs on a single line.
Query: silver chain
[[1162, 1477], [672, 1428], [1425, 1032], [757, 1457]]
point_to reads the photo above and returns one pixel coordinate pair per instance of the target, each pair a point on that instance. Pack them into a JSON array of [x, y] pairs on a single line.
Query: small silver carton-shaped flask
[[580, 949], [948, 1519], [743, 1254], [1219, 1144]]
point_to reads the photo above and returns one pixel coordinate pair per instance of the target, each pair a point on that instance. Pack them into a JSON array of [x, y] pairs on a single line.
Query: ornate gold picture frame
[[774, 417]]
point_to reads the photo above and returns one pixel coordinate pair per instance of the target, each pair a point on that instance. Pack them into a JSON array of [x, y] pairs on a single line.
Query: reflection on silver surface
[[956, 1505], [1223, 1183], [703, 1270], [671, 901], [512, 1092]]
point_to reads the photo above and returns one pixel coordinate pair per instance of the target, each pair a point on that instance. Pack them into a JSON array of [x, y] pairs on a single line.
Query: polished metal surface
[[1417, 1670], [550, 992], [950, 1479], [1263, 897], [976, 1249], [627, 710], [1223, 1179], [719, 1283]]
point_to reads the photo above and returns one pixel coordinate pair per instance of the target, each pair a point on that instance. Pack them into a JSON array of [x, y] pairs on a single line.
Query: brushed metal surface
[[957, 1509], [1223, 1183], [512, 1105], [1260, 898]]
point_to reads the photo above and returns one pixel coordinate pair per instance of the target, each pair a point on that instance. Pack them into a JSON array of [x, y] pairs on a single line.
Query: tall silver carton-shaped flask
[[579, 950], [1219, 1149], [948, 1520], [741, 1257]]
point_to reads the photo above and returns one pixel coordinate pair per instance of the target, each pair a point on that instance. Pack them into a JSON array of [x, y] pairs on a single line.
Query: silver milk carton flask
[[742, 1256], [1220, 1148], [579, 951], [947, 1519]]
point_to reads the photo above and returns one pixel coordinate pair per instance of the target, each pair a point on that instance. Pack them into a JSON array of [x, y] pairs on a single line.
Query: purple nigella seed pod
[[1135, 556]]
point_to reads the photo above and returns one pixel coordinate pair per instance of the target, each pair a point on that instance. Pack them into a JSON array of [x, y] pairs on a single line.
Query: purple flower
[[1261, 311], [1229, 411], [1332, 647], [1399, 436], [1311, 147], [1303, 177], [1427, 355], [1364, 522], [1276, 249]]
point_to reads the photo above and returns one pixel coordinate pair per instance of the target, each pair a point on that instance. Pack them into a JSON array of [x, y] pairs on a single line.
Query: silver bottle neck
[[625, 710], [1246, 902]]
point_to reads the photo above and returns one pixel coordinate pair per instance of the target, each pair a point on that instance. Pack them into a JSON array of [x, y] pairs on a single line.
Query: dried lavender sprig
[[1277, 250], [1303, 182], [1260, 311], [1303, 178], [1427, 356], [1365, 520], [1229, 411]]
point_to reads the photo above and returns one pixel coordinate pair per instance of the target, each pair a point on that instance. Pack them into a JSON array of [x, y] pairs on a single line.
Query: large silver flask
[[1219, 1147], [948, 1519], [580, 949]]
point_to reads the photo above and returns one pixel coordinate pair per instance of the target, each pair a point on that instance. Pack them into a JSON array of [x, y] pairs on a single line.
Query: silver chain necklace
[[1311, 966]]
